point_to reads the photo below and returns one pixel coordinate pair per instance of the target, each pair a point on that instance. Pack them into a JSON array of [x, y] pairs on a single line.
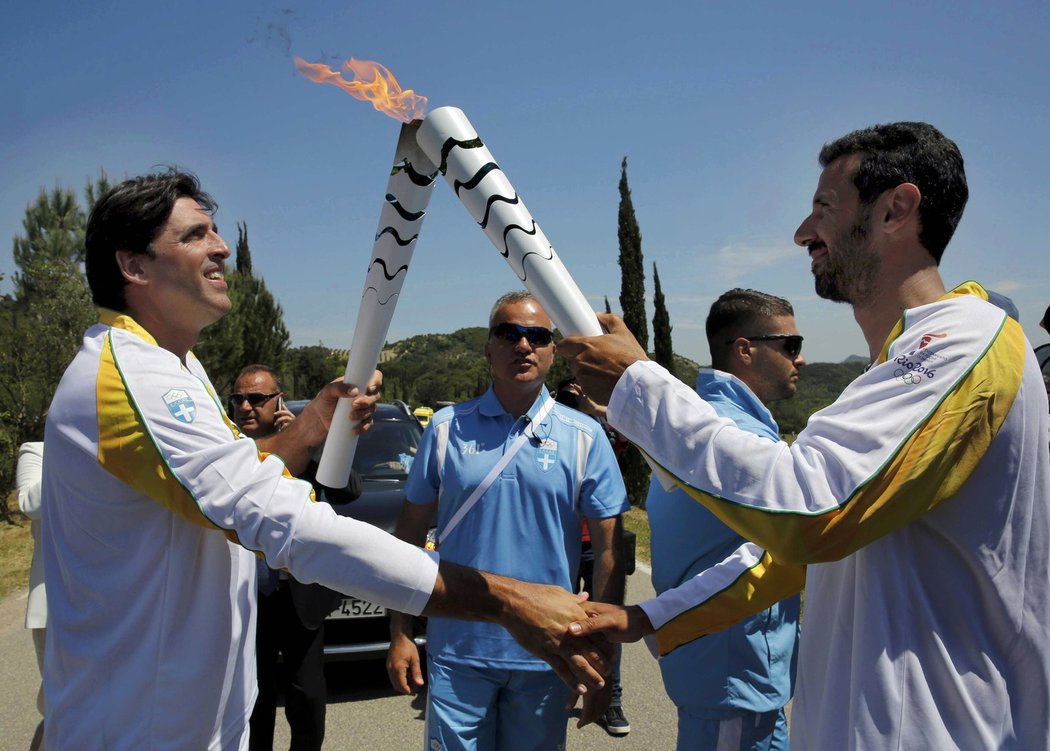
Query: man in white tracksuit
[[919, 498]]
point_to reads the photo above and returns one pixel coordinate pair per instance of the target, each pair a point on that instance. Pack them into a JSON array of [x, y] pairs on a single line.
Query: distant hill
[[819, 384], [430, 368]]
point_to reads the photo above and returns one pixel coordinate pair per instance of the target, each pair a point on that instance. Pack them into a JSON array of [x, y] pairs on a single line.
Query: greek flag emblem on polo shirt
[[547, 454], [180, 405]]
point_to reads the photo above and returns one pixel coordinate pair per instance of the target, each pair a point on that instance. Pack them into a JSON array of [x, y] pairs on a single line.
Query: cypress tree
[[633, 467], [663, 351], [632, 266], [252, 332], [244, 253]]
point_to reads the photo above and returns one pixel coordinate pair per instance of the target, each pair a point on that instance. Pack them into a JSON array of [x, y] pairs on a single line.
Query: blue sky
[[720, 108]]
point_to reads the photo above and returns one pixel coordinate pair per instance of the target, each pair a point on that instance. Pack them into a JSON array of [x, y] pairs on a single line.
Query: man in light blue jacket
[[730, 687]]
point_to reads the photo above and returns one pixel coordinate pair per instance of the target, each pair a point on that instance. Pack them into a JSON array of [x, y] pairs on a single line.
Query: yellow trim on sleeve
[[126, 450], [928, 468], [754, 590]]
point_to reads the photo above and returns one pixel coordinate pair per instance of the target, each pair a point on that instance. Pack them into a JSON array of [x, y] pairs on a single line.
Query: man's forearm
[[609, 579], [607, 544], [468, 594]]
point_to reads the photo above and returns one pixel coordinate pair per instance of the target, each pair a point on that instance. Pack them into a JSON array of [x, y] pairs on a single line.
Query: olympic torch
[[407, 194], [450, 141]]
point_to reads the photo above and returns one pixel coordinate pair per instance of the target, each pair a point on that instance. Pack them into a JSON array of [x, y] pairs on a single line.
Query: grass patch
[[637, 521], [16, 550]]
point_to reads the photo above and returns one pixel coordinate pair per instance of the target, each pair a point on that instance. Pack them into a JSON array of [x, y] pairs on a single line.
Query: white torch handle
[[450, 141], [407, 194]]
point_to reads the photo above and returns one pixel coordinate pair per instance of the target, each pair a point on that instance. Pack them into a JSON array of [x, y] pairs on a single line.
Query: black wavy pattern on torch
[[477, 178], [381, 302], [451, 143], [488, 207], [386, 273], [397, 237], [418, 178], [506, 248], [409, 216]]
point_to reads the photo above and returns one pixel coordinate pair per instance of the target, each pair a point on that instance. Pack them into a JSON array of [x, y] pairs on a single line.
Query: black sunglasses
[[537, 336], [792, 342], [254, 399]]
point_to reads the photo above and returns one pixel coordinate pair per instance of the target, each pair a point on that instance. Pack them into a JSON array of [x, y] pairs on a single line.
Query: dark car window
[[387, 450]]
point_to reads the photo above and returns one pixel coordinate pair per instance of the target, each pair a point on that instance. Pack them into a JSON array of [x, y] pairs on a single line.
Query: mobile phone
[[280, 402]]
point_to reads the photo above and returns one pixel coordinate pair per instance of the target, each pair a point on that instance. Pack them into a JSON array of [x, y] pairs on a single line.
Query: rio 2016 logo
[[912, 372]]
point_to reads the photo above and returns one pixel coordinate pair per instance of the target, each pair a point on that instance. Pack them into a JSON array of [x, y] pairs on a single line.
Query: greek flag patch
[[180, 405], [547, 454]]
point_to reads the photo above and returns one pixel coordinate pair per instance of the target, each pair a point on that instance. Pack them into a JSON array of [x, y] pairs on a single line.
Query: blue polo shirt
[[750, 666], [527, 525]]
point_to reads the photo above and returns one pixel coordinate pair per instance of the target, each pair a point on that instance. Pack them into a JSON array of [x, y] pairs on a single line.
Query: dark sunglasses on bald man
[[254, 399], [792, 342], [537, 336]]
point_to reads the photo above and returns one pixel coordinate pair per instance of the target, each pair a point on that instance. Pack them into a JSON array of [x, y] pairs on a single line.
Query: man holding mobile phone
[[257, 402], [290, 617]]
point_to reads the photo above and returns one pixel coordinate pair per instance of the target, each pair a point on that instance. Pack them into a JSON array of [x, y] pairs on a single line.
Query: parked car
[[358, 629]]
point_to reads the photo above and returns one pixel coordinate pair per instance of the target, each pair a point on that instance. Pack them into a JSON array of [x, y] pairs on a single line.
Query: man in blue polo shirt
[[731, 687], [512, 473]]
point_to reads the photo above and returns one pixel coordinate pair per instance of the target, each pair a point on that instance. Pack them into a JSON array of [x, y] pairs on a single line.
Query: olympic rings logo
[[908, 377]]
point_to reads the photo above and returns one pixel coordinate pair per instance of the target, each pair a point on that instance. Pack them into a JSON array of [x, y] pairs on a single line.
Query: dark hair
[[738, 311], [128, 217], [259, 368], [916, 153]]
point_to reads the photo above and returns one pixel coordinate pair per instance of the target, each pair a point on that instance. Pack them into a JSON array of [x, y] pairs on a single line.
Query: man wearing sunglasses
[[512, 472], [920, 499], [257, 402], [733, 684], [155, 506], [290, 615]]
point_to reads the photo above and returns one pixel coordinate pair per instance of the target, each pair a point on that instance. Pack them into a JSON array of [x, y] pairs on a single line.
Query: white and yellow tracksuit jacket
[[919, 501], [152, 504]]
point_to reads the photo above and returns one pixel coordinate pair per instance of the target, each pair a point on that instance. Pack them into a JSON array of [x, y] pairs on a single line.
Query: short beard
[[850, 274]]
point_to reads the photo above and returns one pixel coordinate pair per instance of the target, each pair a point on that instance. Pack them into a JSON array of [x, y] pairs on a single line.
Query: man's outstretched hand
[[599, 361], [536, 615], [618, 623]]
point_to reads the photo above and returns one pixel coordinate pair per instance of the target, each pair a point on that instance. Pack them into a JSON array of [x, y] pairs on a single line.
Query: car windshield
[[386, 451]]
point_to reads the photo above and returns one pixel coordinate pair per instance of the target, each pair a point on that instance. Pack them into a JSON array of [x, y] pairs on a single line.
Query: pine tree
[[632, 266], [54, 229], [632, 301], [95, 190], [663, 351], [42, 324]]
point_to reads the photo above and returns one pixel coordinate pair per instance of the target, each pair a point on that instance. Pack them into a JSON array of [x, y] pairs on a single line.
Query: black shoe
[[615, 721]]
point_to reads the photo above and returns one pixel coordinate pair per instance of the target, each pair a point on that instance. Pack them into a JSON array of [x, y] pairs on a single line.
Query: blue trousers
[[482, 709], [731, 731]]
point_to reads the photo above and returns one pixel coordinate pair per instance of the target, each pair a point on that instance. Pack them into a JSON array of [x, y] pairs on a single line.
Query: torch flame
[[373, 82]]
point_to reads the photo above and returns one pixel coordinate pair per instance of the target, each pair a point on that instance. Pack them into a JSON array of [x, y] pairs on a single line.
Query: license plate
[[351, 607]]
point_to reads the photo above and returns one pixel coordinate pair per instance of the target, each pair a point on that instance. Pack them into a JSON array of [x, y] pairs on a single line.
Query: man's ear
[[132, 266], [740, 350], [902, 206]]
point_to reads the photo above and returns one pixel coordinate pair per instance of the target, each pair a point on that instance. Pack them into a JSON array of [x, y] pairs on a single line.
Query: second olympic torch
[[450, 141], [407, 194]]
